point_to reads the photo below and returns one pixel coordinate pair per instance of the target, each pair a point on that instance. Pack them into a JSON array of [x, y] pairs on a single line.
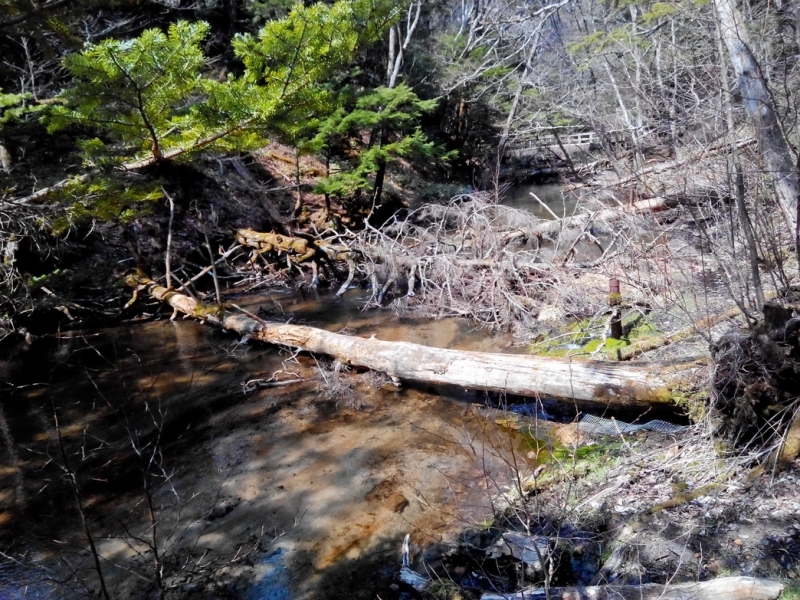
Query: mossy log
[[298, 250], [724, 588], [587, 381], [659, 341]]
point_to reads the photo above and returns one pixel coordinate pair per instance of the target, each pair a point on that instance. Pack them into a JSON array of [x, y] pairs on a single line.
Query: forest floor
[[670, 507]]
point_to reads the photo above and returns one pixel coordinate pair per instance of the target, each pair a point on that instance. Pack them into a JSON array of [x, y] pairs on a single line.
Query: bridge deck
[[548, 143]]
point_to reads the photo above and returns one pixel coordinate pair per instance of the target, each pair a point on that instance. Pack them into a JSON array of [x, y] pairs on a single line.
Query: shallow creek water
[[557, 198], [294, 493], [322, 488]]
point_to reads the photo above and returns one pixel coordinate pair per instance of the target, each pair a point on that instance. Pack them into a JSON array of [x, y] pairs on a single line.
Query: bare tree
[[759, 105]]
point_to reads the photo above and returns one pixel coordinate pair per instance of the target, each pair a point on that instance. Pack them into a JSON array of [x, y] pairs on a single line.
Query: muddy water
[[282, 493]]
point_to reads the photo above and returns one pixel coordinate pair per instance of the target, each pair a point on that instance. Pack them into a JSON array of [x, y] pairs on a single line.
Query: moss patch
[[682, 496], [585, 338], [693, 401]]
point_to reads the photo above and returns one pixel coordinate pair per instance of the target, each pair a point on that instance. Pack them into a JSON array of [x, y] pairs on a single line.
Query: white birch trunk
[[758, 105]]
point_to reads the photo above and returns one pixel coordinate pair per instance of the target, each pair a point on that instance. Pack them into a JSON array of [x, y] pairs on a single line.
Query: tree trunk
[[512, 112], [725, 588], [377, 191], [588, 381], [516, 374], [759, 108], [298, 203], [741, 207]]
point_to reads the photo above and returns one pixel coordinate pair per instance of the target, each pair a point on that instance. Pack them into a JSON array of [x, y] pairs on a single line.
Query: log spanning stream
[[329, 483]]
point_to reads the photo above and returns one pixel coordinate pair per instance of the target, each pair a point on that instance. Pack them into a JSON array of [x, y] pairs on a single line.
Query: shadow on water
[[21, 582], [315, 494]]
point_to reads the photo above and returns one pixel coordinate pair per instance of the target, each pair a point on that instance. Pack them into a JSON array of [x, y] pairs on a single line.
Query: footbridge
[[546, 143]]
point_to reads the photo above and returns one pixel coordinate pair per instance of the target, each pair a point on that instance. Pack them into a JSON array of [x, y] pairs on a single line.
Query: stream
[[323, 486], [562, 202], [301, 490]]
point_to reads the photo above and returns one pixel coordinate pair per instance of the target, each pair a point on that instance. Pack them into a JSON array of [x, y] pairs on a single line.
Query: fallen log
[[725, 588], [653, 205], [580, 221], [703, 325], [659, 341], [719, 148], [648, 205], [524, 375], [300, 249]]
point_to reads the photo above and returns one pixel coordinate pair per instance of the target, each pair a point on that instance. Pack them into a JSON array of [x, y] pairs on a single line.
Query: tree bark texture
[[725, 588], [759, 108], [587, 381]]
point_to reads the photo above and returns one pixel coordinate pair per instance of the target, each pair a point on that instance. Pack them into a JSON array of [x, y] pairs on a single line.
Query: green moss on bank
[[585, 338]]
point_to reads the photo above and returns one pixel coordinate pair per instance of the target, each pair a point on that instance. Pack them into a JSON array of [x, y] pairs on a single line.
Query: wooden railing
[[545, 140]]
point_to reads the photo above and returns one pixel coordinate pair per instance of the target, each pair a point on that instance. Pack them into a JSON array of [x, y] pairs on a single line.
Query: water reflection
[[276, 461], [274, 583], [318, 309]]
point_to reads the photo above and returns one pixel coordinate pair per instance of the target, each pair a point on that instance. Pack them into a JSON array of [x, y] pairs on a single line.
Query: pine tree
[[139, 91], [150, 95], [381, 127], [149, 99]]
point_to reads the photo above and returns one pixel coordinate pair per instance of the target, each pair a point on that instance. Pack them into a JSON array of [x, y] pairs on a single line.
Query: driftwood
[[659, 203], [524, 375], [580, 221], [725, 588], [639, 207]]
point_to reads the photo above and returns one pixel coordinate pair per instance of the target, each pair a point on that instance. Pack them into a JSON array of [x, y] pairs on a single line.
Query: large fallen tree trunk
[[727, 588], [524, 375]]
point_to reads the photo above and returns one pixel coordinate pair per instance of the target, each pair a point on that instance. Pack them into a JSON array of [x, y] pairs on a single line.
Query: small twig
[[213, 269], [254, 384], [251, 315], [233, 248], [169, 236], [547, 208]]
